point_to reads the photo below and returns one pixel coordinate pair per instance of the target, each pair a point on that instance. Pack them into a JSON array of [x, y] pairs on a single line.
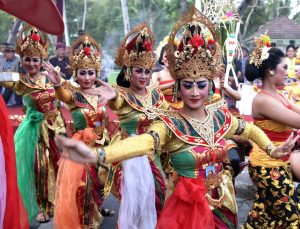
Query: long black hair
[[121, 81]]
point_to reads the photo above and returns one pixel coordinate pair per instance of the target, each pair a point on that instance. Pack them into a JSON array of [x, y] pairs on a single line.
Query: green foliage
[[105, 21], [6, 23]]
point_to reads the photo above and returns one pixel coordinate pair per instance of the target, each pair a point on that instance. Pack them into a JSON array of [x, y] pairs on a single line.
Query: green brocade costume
[[36, 152], [199, 157], [87, 114]]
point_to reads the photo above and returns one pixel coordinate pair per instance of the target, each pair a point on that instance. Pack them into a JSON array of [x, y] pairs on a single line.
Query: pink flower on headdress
[[196, 41], [229, 14], [147, 46]]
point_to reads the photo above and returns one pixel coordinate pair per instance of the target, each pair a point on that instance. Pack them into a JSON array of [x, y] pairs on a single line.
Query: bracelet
[[241, 127], [57, 86], [155, 136], [269, 149], [100, 154]]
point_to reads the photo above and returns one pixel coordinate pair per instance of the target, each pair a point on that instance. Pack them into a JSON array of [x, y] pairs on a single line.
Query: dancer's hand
[[221, 71], [105, 91], [53, 73], [76, 150], [286, 148], [221, 76]]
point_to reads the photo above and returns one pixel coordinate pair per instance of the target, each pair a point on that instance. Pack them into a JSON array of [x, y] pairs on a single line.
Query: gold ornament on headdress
[[89, 54], [261, 49], [139, 50], [196, 56], [32, 42]]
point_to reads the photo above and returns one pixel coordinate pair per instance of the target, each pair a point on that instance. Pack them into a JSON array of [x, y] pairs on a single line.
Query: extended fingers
[[289, 144], [295, 139], [48, 66]]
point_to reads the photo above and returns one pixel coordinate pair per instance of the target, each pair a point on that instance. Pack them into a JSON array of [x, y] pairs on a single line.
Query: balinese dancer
[[139, 181], [36, 152], [90, 121], [275, 205], [194, 137], [163, 77]]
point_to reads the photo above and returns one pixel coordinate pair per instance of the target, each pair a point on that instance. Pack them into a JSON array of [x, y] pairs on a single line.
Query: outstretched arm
[[254, 133], [265, 106], [144, 144]]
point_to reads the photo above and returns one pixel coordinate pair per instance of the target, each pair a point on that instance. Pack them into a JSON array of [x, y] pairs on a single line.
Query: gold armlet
[[100, 154], [270, 149], [58, 85], [155, 136], [241, 127]]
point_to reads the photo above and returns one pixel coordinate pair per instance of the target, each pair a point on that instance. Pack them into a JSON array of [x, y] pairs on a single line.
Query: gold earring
[[127, 74]]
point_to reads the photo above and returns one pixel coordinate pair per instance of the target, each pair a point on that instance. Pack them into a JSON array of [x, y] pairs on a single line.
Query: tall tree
[[12, 36], [259, 12], [7, 22], [125, 16], [60, 7], [67, 37], [84, 14]]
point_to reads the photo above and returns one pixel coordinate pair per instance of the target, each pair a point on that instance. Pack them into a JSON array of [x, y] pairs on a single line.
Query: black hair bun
[[251, 72]]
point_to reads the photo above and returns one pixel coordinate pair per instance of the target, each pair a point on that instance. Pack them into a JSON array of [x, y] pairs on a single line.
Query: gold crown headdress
[[261, 49], [32, 42], [196, 56], [89, 54], [139, 50]]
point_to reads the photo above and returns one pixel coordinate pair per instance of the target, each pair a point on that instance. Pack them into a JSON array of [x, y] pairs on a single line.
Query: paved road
[[245, 194]]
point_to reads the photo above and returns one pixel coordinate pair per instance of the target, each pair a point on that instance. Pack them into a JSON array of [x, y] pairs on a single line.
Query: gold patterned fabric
[[275, 205], [194, 57]]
